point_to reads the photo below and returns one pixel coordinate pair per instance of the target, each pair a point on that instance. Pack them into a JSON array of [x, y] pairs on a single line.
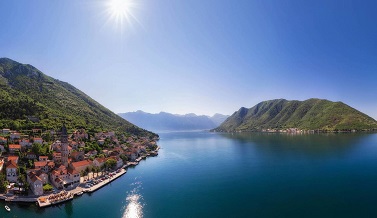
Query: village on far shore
[[35, 163]]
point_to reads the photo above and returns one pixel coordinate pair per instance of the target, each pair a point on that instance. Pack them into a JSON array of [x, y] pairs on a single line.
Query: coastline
[[75, 191], [297, 131]]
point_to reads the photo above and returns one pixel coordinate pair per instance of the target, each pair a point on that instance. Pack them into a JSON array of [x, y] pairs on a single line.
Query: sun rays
[[121, 13]]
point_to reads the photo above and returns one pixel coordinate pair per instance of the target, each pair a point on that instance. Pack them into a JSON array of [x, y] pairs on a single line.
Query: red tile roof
[[72, 171], [44, 157], [81, 163], [100, 160], [40, 163], [11, 164], [14, 146], [13, 158]]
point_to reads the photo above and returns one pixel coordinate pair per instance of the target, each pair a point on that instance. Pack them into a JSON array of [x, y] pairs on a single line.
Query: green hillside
[[29, 98], [312, 114]]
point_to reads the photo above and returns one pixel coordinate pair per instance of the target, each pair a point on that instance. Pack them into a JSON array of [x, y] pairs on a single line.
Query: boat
[[7, 208], [79, 193]]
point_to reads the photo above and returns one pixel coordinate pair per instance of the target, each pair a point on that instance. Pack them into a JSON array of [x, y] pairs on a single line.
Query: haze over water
[[200, 174]]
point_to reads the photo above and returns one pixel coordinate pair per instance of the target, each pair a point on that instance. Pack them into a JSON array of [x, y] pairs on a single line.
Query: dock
[[104, 182], [53, 199]]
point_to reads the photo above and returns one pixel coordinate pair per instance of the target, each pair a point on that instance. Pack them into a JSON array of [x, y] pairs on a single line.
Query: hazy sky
[[200, 56]]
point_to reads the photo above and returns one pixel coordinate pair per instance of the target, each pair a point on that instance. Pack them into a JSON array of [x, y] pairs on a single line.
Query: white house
[[3, 140], [31, 156], [25, 143], [15, 135], [43, 158], [36, 179], [64, 178], [45, 166], [38, 140], [118, 160], [11, 169], [99, 162], [13, 148]]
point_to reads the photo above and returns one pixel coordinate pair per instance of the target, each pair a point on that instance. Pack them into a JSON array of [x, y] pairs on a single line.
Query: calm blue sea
[[201, 174]]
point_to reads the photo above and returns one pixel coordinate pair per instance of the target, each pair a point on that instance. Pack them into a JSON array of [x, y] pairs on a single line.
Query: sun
[[120, 12]]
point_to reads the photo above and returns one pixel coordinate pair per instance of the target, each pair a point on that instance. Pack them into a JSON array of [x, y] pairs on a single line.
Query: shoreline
[[74, 192], [299, 132]]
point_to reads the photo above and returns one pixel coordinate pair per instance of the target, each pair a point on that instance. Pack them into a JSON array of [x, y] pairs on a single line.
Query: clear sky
[[200, 56]]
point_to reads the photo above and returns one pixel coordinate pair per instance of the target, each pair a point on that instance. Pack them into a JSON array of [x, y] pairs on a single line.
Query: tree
[[47, 137], [3, 183], [95, 170], [87, 170], [36, 148], [30, 164], [110, 163], [82, 173], [103, 167], [47, 187], [25, 184], [124, 158]]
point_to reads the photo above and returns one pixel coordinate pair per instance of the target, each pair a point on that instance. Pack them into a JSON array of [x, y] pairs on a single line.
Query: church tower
[[64, 144]]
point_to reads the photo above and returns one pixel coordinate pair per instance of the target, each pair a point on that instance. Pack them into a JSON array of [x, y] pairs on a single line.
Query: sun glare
[[120, 12]]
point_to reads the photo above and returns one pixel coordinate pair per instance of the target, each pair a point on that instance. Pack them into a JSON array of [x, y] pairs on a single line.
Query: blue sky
[[200, 56]]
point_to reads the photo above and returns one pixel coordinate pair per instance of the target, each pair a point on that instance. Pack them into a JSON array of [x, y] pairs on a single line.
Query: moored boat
[[7, 208]]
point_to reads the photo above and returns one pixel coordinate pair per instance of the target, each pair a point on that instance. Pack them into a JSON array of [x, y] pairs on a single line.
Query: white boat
[[7, 208], [79, 193]]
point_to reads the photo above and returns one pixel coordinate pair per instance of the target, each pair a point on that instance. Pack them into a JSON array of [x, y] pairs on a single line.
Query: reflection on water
[[319, 145], [134, 207]]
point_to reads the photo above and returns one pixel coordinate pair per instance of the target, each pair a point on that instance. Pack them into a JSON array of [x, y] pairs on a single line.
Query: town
[[41, 165]]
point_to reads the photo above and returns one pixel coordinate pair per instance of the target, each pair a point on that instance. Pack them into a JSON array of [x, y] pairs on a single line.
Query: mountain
[[218, 118], [171, 122], [29, 98], [312, 114]]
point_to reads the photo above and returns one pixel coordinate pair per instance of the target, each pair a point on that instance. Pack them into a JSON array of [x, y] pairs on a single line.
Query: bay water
[[202, 174]]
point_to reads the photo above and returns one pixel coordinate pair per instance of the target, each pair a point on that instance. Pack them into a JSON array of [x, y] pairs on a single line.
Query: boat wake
[[134, 207]]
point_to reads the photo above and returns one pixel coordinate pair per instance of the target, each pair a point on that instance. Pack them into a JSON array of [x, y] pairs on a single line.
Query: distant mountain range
[[30, 99], [172, 122], [312, 114]]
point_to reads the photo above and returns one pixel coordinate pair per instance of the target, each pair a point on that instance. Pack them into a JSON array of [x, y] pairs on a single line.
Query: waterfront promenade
[[43, 199]]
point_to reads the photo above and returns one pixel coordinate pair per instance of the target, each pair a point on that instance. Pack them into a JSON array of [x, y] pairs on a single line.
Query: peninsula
[[281, 115]]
